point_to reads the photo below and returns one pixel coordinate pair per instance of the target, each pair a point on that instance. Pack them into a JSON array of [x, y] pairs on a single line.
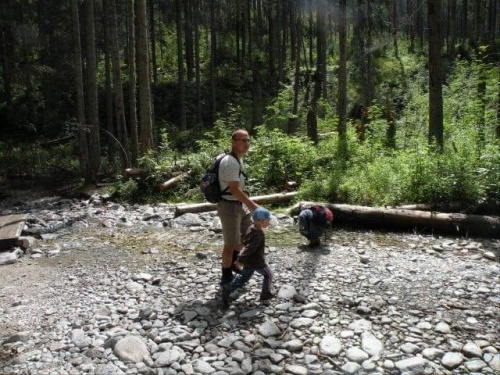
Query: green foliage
[[280, 111], [126, 190], [276, 158], [420, 175], [31, 159]]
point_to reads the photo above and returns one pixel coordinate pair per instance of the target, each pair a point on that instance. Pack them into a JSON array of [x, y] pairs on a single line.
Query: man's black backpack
[[322, 215], [209, 186]]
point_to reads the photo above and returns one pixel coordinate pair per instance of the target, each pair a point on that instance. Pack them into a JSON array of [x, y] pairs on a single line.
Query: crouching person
[[314, 220]]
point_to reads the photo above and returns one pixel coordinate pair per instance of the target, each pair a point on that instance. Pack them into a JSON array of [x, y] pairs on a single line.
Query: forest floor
[[112, 288]]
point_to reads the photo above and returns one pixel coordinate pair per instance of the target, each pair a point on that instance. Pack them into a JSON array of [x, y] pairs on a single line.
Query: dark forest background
[[361, 101]]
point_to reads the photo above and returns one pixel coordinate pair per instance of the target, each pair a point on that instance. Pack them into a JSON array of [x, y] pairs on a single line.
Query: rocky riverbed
[[108, 288]]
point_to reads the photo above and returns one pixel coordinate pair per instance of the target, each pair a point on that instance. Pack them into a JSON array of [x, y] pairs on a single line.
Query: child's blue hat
[[261, 214]]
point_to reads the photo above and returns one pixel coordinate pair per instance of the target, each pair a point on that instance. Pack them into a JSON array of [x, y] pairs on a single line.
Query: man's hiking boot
[[225, 296], [227, 276], [265, 296], [314, 243]]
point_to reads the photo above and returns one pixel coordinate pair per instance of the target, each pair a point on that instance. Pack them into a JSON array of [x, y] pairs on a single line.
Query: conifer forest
[[365, 102]]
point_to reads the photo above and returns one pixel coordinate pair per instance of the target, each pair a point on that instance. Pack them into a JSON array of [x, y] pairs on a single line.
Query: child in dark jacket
[[252, 258]]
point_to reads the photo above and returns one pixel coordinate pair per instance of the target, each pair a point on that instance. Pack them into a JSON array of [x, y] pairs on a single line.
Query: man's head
[[240, 142]]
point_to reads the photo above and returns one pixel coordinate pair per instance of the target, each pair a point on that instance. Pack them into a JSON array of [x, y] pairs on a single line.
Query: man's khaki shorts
[[235, 219]]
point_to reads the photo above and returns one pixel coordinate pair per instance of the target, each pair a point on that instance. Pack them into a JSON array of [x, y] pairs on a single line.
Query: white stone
[[415, 364], [131, 349], [371, 344], [471, 349], [360, 325], [202, 367], [442, 327], [287, 292], [452, 360], [301, 323], [351, 368], [330, 345], [432, 353], [296, 370], [269, 328], [355, 354]]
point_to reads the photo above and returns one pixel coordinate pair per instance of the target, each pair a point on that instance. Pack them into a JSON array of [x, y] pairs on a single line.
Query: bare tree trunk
[[435, 74], [311, 23], [242, 27], [152, 38], [237, 36], [492, 20], [273, 27], [312, 125], [411, 33], [121, 124], [369, 60], [109, 137], [144, 80], [80, 101], [452, 29], [481, 92], [395, 27], [342, 99], [196, 14], [256, 96], [391, 128], [284, 39], [132, 82], [213, 69], [249, 28], [420, 25], [293, 29], [293, 122], [188, 37], [477, 21], [180, 67], [464, 23], [92, 99], [321, 47], [260, 23], [6, 52], [497, 129]]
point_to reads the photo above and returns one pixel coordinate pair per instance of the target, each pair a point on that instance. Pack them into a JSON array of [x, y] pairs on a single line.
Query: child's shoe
[[265, 296]]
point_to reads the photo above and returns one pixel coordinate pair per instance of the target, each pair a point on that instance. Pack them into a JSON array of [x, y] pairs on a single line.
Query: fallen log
[[136, 172], [165, 185], [261, 199], [452, 223], [58, 141]]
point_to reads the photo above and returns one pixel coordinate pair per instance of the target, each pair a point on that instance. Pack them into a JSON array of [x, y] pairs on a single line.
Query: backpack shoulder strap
[[238, 160], [234, 156]]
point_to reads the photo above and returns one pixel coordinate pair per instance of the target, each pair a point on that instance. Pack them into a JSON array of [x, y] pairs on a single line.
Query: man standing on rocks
[[235, 207]]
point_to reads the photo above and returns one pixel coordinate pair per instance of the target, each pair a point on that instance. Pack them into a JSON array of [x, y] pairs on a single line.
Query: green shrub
[[277, 157], [126, 190]]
